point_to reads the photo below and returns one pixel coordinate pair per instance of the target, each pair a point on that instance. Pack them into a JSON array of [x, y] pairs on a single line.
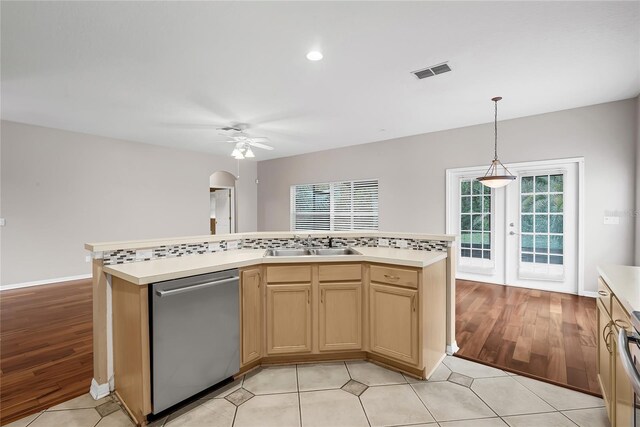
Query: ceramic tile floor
[[459, 394]]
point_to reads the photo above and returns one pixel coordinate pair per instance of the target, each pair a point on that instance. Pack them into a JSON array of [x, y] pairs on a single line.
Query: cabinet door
[[340, 316], [289, 318], [393, 322], [251, 315], [605, 356], [623, 392]]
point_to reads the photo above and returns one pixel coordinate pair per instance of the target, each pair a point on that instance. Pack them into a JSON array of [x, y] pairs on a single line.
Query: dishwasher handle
[[625, 357], [190, 288]]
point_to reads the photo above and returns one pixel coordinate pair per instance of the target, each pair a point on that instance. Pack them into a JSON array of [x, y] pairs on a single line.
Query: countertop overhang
[[624, 281], [145, 272]]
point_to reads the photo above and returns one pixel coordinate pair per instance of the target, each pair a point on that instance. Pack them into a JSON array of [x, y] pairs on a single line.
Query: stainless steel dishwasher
[[195, 335]]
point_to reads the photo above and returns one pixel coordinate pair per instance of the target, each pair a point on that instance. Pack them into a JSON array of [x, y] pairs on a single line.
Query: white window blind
[[334, 206]]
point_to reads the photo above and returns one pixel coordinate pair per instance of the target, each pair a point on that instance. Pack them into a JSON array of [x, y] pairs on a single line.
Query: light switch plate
[[87, 258], [3, 222], [232, 244], [214, 247], [402, 244], [144, 254], [383, 243], [612, 220]]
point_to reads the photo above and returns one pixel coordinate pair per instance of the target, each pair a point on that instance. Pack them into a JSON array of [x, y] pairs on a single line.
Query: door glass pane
[[465, 188], [475, 220], [542, 219]]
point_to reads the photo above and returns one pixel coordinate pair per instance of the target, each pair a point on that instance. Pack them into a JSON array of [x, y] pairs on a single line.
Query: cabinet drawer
[[604, 295], [340, 272], [289, 274], [394, 276], [619, 316]]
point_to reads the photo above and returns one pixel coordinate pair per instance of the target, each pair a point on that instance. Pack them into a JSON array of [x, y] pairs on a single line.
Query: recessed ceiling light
[[314, 55]]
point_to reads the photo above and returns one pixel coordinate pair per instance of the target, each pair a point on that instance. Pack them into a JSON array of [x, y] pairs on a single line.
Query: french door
[[524, 234]]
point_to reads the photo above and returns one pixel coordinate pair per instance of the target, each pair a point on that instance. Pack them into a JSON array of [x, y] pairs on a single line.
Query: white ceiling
[[169, 73]]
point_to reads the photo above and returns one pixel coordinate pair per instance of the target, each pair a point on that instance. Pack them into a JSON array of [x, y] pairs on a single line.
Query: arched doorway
[[222, 195]]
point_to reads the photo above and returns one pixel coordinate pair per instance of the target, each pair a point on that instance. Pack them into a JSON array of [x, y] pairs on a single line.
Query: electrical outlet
[[384, 243], [402, 244], [87, 258], [612, 220], [214, 247], [232, 244], [142, 254], [3, 222]]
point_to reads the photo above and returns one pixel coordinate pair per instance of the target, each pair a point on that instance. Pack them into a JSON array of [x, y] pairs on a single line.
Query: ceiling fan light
[[249, 153], [238, 156], [235, 152]]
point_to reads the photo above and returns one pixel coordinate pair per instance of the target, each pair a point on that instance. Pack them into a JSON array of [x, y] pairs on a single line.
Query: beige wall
[[637, 211], [61, 189], [411, 171]]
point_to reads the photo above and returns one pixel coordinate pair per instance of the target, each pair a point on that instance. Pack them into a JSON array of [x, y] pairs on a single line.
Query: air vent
[[432, 71]]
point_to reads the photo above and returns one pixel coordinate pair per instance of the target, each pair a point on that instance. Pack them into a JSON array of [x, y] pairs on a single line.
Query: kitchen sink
[[335, 251], [288, 252], [311, 252]]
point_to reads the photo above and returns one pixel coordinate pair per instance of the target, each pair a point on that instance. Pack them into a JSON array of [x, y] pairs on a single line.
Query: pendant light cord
[[495, 131]]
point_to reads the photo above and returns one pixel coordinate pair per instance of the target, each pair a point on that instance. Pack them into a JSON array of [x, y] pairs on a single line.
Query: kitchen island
[[391, 303]]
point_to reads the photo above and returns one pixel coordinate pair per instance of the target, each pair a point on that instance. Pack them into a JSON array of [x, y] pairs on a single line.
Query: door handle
[[627, 361], [513, 233], [195, 287]]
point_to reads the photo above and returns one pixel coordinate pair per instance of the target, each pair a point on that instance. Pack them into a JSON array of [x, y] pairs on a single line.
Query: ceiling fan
[[242, 141]]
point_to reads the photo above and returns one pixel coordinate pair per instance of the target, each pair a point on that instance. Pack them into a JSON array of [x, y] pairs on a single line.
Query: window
[[335, 206], [542, 219], [475, 219]]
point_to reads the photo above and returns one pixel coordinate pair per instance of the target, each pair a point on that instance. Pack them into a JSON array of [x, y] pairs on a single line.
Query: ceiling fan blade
[[260, 145], [259, 139]]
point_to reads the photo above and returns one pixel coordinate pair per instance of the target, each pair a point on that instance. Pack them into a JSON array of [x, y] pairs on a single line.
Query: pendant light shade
[[497, 175]]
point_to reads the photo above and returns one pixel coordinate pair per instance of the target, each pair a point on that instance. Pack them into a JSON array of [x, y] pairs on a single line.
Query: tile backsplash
[[123, 256]]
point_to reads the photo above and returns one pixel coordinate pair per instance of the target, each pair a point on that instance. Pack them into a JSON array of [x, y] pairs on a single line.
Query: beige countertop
[[624, 281], [144, 272]]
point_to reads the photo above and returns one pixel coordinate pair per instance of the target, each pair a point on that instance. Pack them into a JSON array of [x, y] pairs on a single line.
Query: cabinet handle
[[390, 277], [308, 297], [259, 279], [603, 293], [413, 302], [605, 336], [322, 296], [623, 324]]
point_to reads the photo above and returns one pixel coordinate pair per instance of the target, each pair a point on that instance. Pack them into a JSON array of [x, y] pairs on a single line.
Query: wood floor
[[548, 335], [46, 347]]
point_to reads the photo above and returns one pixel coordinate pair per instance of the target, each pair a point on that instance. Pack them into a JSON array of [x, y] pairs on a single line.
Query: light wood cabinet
[[251, 315], [623, 392], [614, 383], [288, 318], [340, 316], [605, 356], [393, 322]]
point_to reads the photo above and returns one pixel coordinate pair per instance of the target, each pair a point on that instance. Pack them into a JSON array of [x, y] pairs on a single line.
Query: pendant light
[[494, 177]]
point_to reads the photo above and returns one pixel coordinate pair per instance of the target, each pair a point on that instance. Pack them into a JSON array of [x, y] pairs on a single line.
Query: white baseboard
[[591, 294], [44, 282], [98, 391], [453, 348]]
